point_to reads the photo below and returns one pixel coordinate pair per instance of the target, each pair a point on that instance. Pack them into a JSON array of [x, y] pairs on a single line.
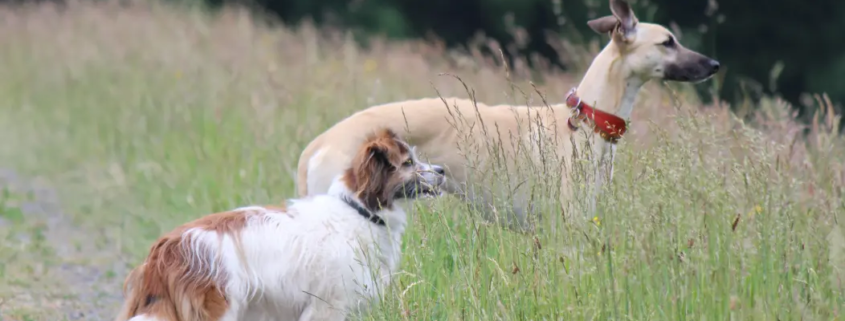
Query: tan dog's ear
[[622, 24], [604, 24], [627, 20]]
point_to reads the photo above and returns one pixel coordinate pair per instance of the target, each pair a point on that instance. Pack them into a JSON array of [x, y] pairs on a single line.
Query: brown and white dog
[[318, 258], [637, 53]]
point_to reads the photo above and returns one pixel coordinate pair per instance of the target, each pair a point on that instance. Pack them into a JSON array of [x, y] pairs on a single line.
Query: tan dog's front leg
[[612, 161], [319, 310], [603, 162]]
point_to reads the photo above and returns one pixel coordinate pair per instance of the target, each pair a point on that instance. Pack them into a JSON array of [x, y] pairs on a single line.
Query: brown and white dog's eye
[[408, 162]]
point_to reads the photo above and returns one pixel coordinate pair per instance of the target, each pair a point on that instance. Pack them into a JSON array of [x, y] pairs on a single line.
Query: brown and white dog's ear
[[622, 24], [373, 167], [383, 146]]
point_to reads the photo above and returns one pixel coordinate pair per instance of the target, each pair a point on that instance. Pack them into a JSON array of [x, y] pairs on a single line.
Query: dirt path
[[58, 271]]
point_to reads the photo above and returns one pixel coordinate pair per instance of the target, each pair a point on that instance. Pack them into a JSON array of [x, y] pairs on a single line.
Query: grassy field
[[120, 122]]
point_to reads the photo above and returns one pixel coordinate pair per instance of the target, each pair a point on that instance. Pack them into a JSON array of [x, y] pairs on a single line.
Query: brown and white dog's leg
[[321, 310]]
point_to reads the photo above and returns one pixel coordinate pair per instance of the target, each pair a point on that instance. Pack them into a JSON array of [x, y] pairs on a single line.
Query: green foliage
[[142, 126], [749, 38]]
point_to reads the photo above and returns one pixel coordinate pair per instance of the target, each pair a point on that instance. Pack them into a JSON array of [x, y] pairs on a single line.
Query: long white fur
[[330, 261]]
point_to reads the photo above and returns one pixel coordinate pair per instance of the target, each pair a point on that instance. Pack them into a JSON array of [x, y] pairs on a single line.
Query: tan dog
[[638, 52]]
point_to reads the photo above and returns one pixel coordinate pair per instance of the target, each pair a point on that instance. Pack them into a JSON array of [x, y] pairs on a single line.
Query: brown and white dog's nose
[[438, 169]]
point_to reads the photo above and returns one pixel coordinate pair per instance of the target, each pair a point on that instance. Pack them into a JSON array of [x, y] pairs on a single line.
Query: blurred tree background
[[786, 47]]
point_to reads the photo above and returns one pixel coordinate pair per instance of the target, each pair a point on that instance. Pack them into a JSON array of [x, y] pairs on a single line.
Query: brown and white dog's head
[[386, 169], [651, 51]]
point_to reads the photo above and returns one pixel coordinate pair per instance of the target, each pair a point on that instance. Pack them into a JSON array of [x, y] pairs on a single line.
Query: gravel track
[[82, 270]]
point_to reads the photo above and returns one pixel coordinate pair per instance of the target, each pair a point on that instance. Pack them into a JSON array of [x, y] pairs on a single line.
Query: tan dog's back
[[329, 152], [445, 136]]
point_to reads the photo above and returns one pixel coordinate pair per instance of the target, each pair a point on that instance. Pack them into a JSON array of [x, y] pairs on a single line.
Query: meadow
[[120, 121]]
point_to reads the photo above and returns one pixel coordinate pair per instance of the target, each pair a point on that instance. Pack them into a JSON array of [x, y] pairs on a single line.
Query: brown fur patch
[[168, 285], [277, 208], [372, 176]]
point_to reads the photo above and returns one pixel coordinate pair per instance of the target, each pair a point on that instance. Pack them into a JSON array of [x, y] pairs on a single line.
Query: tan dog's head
[[650, 50], [386, 169]]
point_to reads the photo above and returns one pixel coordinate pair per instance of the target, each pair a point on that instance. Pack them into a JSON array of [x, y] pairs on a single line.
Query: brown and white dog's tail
[[174, 284]]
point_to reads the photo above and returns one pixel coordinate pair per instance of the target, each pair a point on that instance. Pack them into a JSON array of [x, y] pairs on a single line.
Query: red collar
[[609, 126]]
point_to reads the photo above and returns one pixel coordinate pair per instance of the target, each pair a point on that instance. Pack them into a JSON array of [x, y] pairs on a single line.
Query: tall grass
[[145, 116]]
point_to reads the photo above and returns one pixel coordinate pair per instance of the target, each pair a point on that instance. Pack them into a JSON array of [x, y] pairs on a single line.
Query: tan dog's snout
[[714, 65], [691, 66]]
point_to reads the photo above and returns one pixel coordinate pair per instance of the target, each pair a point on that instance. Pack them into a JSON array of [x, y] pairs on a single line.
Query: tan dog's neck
[[609, 85]]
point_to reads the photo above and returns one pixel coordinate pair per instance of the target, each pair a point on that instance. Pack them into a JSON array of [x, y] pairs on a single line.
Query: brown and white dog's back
[[318, 258]]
